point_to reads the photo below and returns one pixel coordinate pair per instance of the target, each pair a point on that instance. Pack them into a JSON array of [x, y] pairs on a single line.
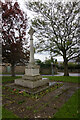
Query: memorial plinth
[[32, 78]]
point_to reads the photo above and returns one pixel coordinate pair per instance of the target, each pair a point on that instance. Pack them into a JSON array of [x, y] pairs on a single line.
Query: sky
[[41, 56]]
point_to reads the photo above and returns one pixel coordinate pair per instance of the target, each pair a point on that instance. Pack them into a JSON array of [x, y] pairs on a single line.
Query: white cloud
[[45, 56]]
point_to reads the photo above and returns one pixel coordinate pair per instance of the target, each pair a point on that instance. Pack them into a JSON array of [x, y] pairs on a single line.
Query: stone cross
[[31, 32], [32, 79]]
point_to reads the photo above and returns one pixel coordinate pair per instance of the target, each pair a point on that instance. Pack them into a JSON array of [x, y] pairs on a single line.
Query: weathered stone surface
[[32, 66], [32, 72], [31, 32], [31, 84], [33, 78]]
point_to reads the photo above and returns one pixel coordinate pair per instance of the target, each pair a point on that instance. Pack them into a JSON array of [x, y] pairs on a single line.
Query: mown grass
[[0, 111], [8, 114], [71, 109], [73, 79], [6, 79]]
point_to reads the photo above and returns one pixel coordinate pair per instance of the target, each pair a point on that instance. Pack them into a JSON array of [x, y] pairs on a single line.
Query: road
[[70, 74]]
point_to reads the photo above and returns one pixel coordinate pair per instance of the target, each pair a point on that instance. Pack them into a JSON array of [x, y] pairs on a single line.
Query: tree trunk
[[66, 73], [13, 70]]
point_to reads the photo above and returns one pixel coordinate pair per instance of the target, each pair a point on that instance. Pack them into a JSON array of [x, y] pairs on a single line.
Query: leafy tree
[[48, 61], [78, 59], [57, 29], [38, 62], [14, 24]]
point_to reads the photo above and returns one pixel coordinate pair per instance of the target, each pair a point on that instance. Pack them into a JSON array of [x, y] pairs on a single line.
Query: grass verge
[[73, 79], [8, 114], [71, 109], [6, 79]]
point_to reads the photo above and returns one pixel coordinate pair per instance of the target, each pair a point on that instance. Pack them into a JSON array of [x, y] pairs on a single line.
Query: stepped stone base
[[28, 90], [32, 78], [31, 83]]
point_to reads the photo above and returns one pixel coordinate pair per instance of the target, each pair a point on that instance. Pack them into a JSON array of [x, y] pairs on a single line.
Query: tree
[[57, 29], [78, 59], [14, 24]]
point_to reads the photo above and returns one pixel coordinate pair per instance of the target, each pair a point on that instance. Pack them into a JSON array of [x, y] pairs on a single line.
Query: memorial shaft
[[31, 51]]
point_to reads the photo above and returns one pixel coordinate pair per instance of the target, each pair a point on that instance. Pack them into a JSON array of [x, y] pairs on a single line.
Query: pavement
[[59, 74]]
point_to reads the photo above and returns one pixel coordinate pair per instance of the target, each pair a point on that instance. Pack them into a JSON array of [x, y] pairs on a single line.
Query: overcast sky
[[45, 55]]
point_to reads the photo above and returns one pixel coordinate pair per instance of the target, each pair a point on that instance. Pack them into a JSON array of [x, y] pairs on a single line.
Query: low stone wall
[[18, 69], [47, 71], [43, 71], [4, 69], [21, 70]]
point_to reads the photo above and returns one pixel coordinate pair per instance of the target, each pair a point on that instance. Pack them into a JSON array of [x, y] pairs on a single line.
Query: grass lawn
[[73, 79], [8, 114], [0, 111], [71, 109], [9, 78]]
